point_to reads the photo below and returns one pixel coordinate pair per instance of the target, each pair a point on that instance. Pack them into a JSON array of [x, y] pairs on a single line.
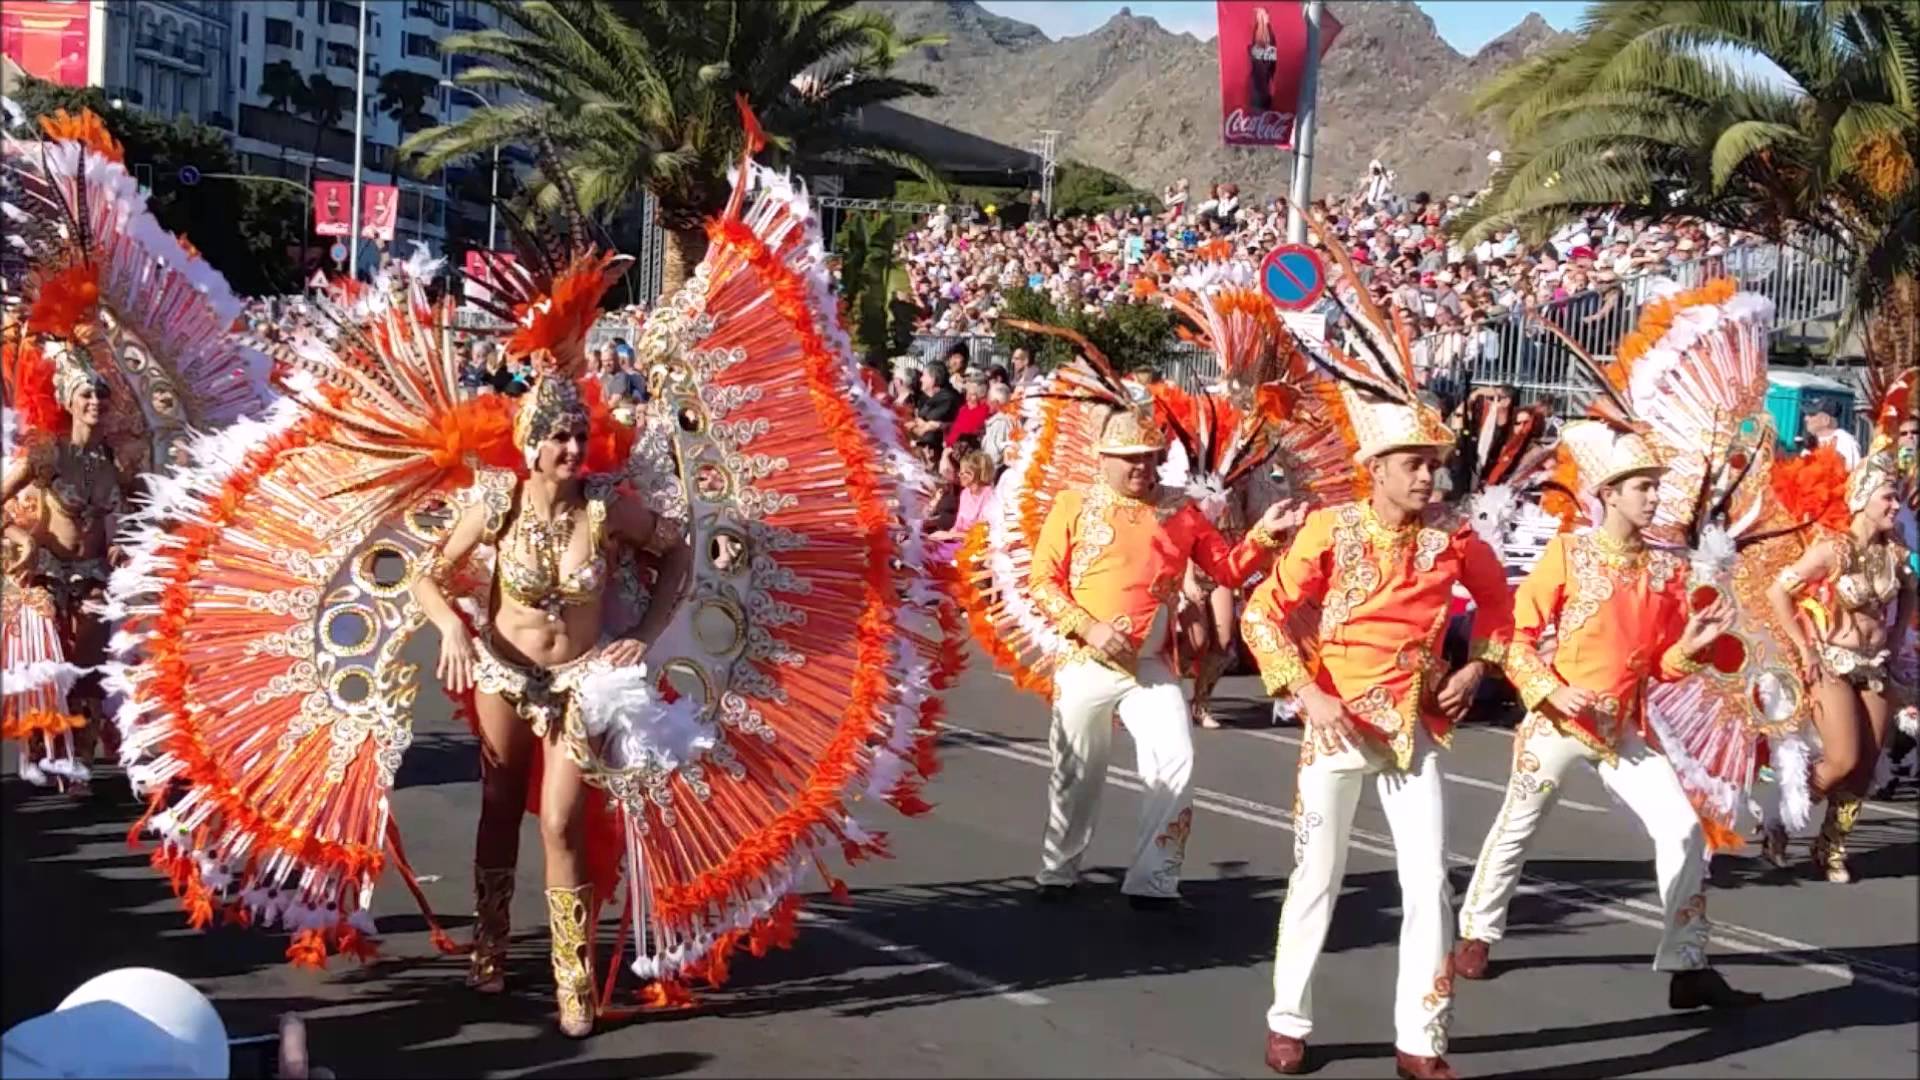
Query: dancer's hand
[[1457, 694], [457, 659], [1571, 701], [1329, 723], [1104, 639], [1705, 626], [1810, 667], [294, 1063], [1284, 516], [16, 552], [624, 652]]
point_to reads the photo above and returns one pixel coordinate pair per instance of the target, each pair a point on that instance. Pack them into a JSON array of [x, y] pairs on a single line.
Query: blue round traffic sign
[[338, 252], [1293, 277], [189, 176]]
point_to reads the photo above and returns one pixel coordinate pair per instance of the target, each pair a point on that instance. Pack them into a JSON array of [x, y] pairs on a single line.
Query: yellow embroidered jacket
[[1106, 557], [1616, 615], [1360, 609]]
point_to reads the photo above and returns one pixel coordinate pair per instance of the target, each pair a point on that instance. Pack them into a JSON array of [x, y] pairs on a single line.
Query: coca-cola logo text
[[1266, 127]]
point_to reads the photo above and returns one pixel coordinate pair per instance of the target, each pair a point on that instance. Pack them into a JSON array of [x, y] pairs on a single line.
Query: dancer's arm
[[1485, 579], [1232, 565], [1784, 596], [1052, 591], [1299, 580], [457, 656], [1536, 607]]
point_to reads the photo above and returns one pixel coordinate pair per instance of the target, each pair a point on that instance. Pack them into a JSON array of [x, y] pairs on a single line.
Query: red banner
[[48, 39], [379, 210], [1263, 50], [480, 267], [332, 206]]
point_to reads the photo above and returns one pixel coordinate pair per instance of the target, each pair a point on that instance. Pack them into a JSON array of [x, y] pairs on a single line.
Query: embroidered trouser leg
[[1087, 696], [1646, 782], [1640, 778], [1542, 756], [1328, 792]]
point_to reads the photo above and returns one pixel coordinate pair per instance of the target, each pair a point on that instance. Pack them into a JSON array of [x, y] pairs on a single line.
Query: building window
[[341, 55], [423, 46], [243, 28], [243, 72], [299, 9], [341, 13], [278, 32]]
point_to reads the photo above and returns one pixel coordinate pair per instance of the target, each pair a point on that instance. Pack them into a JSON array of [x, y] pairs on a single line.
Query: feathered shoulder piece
[[1812, 487]]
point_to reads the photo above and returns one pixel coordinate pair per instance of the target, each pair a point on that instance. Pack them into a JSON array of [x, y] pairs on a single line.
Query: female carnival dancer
[[788, 680], [119, 346], [1845, 604], [1252, 349]]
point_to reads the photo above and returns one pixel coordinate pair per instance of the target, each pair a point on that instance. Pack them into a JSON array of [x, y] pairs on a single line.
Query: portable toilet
[[1790, 393]]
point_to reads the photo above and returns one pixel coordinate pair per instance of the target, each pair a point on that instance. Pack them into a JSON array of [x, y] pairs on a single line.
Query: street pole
[[493, 201], [1303, 116], [359, 147]]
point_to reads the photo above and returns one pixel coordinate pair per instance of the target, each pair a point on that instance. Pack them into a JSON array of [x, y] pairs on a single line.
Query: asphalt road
[[941, 964]]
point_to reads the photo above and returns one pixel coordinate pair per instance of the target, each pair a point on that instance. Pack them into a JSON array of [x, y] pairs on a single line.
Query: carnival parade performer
[[1846, 601], [1617, 612], [1350, 625], [793, 665], [117, 349]]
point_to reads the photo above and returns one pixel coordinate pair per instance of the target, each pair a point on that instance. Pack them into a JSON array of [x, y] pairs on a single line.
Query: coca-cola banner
[[332, 206], [1263, 49]]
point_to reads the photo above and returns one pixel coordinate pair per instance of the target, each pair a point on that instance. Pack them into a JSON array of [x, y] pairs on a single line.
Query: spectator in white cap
[[134, 1022]]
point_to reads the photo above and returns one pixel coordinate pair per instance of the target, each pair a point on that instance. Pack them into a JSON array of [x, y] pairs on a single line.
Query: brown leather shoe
[[1705, 988], [1408, 1067], [1285, 1054], [1470, 959]]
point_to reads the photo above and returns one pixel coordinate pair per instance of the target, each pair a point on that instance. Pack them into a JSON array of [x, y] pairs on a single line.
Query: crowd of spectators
[[958, 274]]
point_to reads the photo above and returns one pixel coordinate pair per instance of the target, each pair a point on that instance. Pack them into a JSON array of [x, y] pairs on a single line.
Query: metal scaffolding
[[1044, 147]]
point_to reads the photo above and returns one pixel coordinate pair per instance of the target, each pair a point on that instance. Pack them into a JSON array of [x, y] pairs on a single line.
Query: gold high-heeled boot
[[569, 920], [1830, 847], [492, 925]]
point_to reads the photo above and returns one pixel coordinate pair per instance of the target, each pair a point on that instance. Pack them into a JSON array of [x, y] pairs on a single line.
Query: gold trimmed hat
[[1602, 454], [1381, 427], [1131, 432], [553, 402]]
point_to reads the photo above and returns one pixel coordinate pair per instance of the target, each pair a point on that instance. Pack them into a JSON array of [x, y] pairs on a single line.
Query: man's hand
[[1104, 639], [1329, 723], [1284, 516], [1457, 693], [1571, 701], [1705, 626]]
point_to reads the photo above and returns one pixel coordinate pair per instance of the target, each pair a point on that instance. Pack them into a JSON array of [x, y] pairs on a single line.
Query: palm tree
[[324, 103], [1644, 111], [638, 97], [404, 95]]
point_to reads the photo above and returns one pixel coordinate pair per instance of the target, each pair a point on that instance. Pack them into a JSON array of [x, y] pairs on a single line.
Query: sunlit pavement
[[941, 964]]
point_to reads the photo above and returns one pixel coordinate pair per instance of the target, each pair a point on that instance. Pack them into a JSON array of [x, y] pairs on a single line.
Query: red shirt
[[970, 420]]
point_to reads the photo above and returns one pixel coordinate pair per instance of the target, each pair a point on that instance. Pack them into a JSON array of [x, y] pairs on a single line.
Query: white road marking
[[922, 961], [1640, 912]]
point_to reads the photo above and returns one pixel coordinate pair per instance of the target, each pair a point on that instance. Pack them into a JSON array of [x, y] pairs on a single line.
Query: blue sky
[[1465, 24]]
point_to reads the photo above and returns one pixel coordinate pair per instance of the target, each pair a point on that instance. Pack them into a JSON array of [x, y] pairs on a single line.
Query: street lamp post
[[359, 147], [493, 193]]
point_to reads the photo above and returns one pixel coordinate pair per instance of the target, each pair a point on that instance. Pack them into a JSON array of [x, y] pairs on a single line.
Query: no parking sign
[[1293, 277]]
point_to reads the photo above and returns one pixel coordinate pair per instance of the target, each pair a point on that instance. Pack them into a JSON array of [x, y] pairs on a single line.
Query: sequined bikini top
[[78, 497], [529, 561], [1870, 578]]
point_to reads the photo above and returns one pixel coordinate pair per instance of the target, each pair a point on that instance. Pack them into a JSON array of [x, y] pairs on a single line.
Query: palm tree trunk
[[684, 249]]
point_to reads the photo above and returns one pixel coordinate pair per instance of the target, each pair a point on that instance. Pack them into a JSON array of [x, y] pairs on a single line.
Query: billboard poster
[[479, 267], [48, 39], [1263, 48], [379, 210], [332, 203]]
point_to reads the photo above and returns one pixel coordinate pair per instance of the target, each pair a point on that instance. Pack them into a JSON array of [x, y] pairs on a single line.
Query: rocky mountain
[[1144, 102]]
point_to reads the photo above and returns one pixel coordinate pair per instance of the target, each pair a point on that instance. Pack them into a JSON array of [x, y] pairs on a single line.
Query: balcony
[[180, 53], [434, 13], [468, 22]]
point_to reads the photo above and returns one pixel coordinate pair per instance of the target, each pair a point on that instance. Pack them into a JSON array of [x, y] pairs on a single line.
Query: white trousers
[[1153, 707], [1328, 793], [1642, 779]]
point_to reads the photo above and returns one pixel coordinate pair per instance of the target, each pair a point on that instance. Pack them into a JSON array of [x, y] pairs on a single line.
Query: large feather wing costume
[[796, 680], [153, 319]]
